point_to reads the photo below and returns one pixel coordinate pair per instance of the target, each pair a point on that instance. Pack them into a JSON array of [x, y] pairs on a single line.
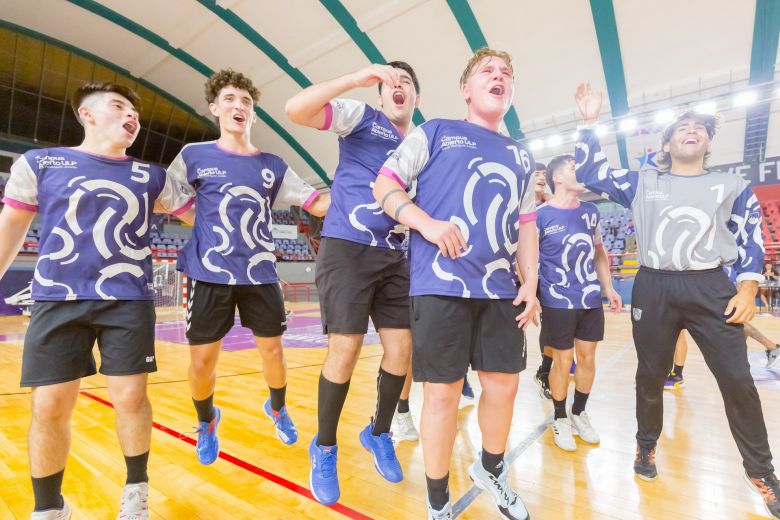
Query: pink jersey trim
[[19, 205], [184, 208], [387, 172], [563, 207], [328, 117], [310, 200], [527, 217]]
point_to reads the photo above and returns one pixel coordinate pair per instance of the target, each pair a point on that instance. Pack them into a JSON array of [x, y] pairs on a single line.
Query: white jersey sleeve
[[21, 191], [409, 159], [176, 196], [343, 115], [294, 191]]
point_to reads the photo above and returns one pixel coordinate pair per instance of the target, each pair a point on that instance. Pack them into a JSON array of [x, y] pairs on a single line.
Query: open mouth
[[398, 98], [498, 90], [130, 127], [240, 119], [691, 140]]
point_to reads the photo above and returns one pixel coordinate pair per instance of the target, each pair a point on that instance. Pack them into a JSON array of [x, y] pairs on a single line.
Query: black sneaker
[[543, 380], [644, 464], [769, 489]]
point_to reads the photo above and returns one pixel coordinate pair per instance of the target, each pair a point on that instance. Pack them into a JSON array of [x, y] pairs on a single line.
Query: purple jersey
[[95, 213], [366, 138], [232, 242], [568, 238], [481, 181]]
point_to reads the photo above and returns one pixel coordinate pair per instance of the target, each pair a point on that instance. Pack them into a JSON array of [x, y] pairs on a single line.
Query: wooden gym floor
[[258, 477]]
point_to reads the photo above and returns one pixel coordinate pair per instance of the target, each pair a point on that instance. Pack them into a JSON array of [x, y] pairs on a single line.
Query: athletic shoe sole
[[754, 488], [481, 486], [775, 363], [645, 477], [311, 488]]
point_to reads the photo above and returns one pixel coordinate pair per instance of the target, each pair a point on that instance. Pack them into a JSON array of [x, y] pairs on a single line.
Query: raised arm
[[592, 167], [308, 107], [390, 187]]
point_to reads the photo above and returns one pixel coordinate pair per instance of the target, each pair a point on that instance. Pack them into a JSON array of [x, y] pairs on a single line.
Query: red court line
[[292, 486]]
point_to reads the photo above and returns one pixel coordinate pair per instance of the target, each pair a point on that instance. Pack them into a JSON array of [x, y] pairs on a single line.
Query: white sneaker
[[773, 358], [135, 502], [444, 513], [52, 514], [507, 502], [562, 434], [404, 428], [581, 426]]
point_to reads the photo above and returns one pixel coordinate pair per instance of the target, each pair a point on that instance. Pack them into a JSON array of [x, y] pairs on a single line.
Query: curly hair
[[88, 89], [229, 78], [710, 122], [482, 53]]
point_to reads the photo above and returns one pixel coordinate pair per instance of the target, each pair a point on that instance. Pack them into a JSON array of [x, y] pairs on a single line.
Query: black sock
[[136, 468], [403, 406], [388, 390], [438, 491], [580, 400], [546, 364], [560, 408], [678, 370], [205, 408], [47, 491], [493, 463], [277, 397], [330, 402]]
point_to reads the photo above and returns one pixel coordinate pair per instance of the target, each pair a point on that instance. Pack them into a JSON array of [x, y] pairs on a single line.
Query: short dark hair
[[710, 122], [405, 67], [88, 89], [540, 166], [229, 78], [556, 163]]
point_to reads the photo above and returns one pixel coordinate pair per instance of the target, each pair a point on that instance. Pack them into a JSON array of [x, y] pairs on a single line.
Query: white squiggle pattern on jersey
[[113, 270], [373, 209], [493, 173], [580, 247], [249, 230], [685, 241], [105, 227], [447, 276]]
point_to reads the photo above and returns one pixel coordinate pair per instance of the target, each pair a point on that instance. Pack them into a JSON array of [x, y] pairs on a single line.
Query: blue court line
[[468, 498]]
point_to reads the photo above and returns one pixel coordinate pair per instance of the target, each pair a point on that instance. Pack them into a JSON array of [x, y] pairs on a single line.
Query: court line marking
[[469, 496], [232, 459]]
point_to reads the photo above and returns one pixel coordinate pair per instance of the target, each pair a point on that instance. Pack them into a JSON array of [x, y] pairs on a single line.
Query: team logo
[[456, 141], [636, 312], [50, 161]]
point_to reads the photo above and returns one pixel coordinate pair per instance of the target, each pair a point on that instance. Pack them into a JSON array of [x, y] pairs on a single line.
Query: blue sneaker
[[323, 477], [573, 367], [285, 429], [467, 391], [382, 449], [208, 443]]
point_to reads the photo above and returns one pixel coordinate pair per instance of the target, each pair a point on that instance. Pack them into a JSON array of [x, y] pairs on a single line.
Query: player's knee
[[50, 408], [202, 366], [130, 399], [563, 358], [500, 387], [441, 398]]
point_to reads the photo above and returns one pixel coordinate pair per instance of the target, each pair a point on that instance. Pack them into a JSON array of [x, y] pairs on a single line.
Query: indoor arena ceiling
[[647, 56]]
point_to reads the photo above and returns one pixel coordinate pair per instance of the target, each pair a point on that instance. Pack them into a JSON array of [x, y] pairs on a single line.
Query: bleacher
[[614, 227]]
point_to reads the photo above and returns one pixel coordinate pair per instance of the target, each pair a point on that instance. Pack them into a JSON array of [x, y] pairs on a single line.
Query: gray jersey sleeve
[[21, 191], [294, 191], [408, 160], [343, 115]]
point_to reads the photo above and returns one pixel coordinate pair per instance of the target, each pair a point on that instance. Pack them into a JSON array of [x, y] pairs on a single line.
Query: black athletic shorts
[[560, 327], [449, 333], [61, 335], [211, 310], [355, 281]]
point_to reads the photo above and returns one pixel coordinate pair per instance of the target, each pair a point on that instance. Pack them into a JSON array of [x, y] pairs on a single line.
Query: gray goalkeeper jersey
[[683, 223]]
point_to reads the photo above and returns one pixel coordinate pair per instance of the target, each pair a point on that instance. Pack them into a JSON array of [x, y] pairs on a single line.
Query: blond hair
[[477, 57]]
